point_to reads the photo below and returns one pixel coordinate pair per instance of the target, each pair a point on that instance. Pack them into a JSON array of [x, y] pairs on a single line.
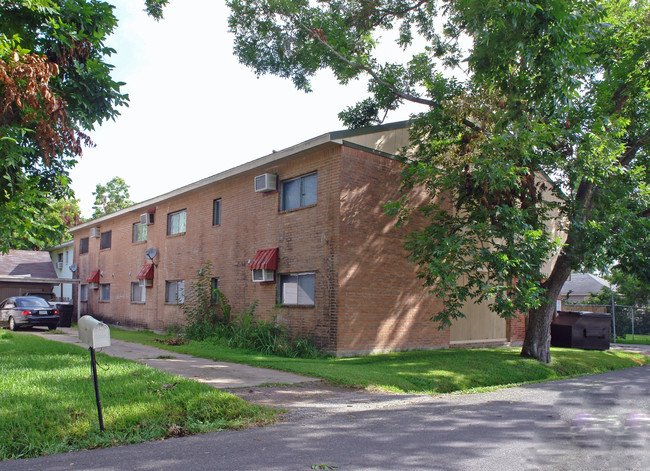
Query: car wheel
[[12, 324]]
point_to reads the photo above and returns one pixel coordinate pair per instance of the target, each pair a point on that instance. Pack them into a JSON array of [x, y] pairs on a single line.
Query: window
[[138, 293], [105, 240], [83, 245], [176, 222], [297, 289], [105, 292], [298, 192], [214, 284], [59, 258], [175, 292], [83, 292], [139, 232], [216, 212]]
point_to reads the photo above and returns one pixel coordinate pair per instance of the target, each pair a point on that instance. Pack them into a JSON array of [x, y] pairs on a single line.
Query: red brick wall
[[249, 221], [382, 304], [367, 296], [517, 328]]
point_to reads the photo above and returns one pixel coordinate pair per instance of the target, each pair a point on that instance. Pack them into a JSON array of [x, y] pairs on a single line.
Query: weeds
[[209, 316]]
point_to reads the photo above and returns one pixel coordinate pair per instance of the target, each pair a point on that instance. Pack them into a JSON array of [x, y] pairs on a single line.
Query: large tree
[[55, 86], [111, 197], [532, 141]]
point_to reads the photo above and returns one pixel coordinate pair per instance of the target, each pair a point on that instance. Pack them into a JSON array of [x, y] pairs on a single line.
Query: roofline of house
[[68, 243], [337, 137], [30, 279]]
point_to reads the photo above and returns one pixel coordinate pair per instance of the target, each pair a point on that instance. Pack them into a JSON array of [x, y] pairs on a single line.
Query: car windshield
[[32, 302]]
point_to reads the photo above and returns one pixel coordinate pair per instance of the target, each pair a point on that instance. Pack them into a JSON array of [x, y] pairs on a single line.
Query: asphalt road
[[599, 422]]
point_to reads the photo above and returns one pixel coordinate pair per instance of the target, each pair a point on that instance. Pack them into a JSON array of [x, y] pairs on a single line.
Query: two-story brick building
[[302, 228]]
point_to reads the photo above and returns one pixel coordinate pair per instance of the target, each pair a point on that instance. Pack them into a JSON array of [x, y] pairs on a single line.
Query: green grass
[[47, 401], [437, 371], [638, 339]]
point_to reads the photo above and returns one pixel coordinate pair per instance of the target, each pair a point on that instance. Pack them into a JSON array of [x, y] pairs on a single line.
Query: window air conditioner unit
[[146, 218], [262, 275], [94, 232], [146, 283], [266, 182], [59, 265], [93, 285]]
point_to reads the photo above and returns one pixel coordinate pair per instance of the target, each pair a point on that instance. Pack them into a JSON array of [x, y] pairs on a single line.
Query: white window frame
[[175, 288], [301, 180], [182, 222], [83, 293], [104, 288], [139, 229], [297, 289], [136, 287]]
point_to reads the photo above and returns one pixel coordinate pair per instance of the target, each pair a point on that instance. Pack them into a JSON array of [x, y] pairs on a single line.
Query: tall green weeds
[[209, 317]]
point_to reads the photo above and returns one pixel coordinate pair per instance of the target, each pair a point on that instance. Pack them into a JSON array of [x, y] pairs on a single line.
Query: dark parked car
[[28, 311]]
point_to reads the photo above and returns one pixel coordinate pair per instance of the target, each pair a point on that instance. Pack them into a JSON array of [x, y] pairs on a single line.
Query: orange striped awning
[[265, 259], [146, 272], [93, 277]]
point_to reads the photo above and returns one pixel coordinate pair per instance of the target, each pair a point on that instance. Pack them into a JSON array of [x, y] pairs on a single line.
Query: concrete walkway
[[218, 374]]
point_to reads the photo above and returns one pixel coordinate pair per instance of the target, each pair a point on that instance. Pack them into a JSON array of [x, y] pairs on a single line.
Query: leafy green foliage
[[532, 143], [209, 317], [111, 197], [55, 85]]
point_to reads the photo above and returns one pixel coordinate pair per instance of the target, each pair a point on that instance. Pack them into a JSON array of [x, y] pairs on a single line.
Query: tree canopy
[[55, 86], [532, 140], [111, 197]]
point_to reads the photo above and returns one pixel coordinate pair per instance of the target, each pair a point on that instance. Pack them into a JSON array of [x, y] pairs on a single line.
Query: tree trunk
[[537, 342]]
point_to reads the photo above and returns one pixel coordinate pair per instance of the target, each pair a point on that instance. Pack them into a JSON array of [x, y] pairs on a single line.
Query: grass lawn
[[47, 401], [638, 339], [436, 371]]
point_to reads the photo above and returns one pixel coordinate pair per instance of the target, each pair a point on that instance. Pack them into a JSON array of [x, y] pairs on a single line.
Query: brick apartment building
[[302, 228]]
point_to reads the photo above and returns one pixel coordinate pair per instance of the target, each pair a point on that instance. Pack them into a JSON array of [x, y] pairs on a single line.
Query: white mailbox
[[94, 333]]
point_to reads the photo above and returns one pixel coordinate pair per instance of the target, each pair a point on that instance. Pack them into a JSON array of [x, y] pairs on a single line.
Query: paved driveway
[[593, 423]]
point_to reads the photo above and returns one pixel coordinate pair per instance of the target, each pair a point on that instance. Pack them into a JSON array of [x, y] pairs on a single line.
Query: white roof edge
[[38, 280], [67, 243]]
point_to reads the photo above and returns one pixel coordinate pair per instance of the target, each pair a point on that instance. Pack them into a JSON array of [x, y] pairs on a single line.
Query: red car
[[28, 311]]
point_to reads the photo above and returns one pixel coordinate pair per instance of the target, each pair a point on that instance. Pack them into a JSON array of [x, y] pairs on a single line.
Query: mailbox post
[[95, 334]]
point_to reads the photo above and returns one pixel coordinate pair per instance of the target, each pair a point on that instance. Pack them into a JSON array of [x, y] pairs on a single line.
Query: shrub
[[203, 304], [209, 317]]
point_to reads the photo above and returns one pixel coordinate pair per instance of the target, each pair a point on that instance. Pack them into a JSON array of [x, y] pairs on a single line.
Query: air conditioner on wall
[[93, 285], [263, 275], [94, 232], [146, 218], [59, 265], [266, 182]]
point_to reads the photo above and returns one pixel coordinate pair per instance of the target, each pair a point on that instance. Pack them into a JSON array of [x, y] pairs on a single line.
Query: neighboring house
[[26, 271], [62, 257], [580, 286], [301, 231]]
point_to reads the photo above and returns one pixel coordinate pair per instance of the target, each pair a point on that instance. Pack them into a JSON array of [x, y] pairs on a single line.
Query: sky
[[194, 109]]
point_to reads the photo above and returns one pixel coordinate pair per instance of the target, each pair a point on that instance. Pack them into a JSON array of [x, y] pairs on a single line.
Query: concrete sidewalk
[[218, 374]]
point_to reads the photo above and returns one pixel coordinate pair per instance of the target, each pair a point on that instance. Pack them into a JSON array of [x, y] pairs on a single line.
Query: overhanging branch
[[322, 40]]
